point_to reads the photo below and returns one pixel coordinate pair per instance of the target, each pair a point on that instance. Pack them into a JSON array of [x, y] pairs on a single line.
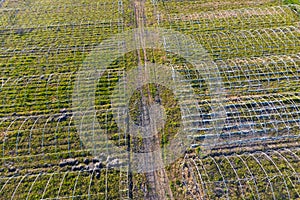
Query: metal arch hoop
[[83, 99]]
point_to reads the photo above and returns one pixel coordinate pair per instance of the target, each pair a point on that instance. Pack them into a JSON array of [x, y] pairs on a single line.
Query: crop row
[[250, 175], [48, 3], [42, 94], [248, 43], [80, 34], [251, 116], [220, 45], [34, 16], [89, 34], [247, 18], [69, 185], [273, 174], [196, 6]]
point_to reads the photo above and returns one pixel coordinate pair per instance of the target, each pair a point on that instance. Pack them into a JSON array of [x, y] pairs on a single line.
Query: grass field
[[254, 44]]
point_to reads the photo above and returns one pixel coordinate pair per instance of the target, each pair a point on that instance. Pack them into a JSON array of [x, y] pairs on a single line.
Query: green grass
[[44, 43], [292, 2]]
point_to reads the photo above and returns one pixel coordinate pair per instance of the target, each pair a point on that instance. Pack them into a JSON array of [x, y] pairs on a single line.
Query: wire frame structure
[[243, 132]]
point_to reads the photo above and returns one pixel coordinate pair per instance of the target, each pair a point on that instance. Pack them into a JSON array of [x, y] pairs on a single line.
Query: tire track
[[157, 180]]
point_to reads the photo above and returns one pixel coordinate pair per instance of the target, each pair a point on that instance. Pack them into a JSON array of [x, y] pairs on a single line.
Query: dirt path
[[157, 180]]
